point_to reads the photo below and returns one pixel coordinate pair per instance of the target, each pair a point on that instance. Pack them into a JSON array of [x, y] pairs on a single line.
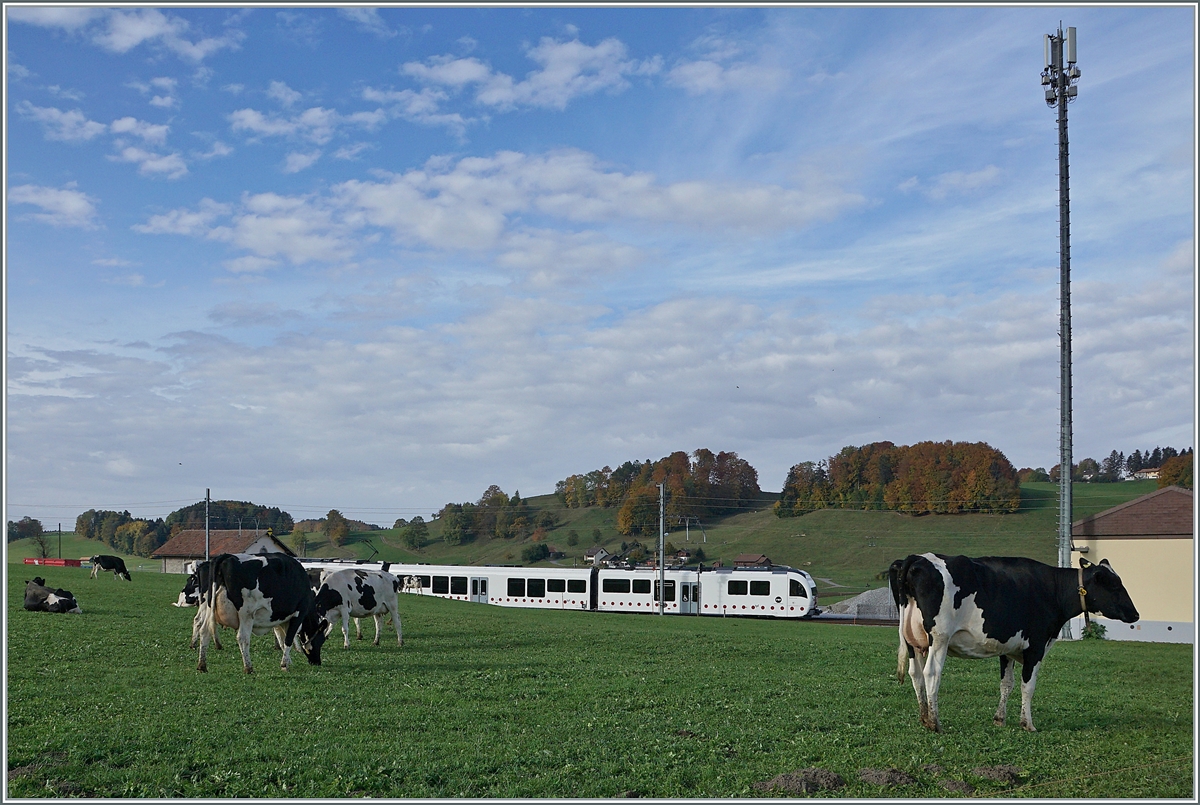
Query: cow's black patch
[[366, 593]]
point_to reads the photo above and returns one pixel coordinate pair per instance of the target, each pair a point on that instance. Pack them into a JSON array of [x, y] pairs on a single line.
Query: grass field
[[490, 702]]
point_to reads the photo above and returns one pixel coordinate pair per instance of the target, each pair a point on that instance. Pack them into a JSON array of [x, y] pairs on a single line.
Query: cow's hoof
[[202, 669], [998, 721], [1028, 727], [248, 669]]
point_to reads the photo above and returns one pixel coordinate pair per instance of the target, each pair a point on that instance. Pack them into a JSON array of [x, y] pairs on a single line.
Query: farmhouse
[[595, 555], [751, 560], [188, 546], [1150, 542]]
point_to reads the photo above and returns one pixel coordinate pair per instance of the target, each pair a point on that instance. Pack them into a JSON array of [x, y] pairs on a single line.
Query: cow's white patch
[[969, 640]]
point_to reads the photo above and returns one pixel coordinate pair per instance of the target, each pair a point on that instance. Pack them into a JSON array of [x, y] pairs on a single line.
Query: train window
[[670, 590], [796, 589], [760, 588], [441, 584], [537, 588], [641, 586], [576, 586], [474, 586], [737, 587], [425, 580], [516, 588], [458, 585], [556, 585], [615, 585]]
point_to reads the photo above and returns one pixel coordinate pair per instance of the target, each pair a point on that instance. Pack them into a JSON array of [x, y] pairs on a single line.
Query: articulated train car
[[765, 592]]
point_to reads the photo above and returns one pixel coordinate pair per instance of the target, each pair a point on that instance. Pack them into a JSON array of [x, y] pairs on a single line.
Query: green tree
[[572, 537], [336, 528], [416, 534], [535, 552], [400, 523], [300, 542]]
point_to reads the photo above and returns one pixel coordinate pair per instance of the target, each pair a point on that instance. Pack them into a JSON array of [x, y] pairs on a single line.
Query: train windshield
[[796, 589]]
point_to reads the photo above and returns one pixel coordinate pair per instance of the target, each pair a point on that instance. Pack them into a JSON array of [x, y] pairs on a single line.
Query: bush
[[536, 552], [1093, 631]]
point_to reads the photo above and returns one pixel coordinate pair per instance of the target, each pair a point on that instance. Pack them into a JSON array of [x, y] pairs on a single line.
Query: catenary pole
[[207, 496], [662, 553]]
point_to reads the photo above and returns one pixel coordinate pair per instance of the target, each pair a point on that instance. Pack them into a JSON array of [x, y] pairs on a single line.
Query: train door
[[479, 590], [689, 597]]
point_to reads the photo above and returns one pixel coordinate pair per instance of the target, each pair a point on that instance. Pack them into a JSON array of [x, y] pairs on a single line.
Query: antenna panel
[[1071, 46]]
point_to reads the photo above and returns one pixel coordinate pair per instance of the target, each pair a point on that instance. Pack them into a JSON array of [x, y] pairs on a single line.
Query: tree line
[[924, 478], [1174, 466], [494, 515], [702, 486]]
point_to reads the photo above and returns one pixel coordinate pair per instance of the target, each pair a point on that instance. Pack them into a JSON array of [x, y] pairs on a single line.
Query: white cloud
[[283, 94], [151, 164], [317, 125], [250, 264], [270, 225], [959, 182], [119, 31], [59, 207], [352, 152], [218, 149], [296, 161], [368, 19], [703, 76], [72, 126], [568, 70], [148, 132], [185, 222], [418, 107]]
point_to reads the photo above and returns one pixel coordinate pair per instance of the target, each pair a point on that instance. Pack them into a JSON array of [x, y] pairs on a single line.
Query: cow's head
[[1105, 592], [327, 599], [189, 596], [313, 631]]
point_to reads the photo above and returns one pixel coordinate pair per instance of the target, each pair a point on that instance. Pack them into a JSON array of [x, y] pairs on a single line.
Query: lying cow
[[110, 563], [1007, 607], [40, 598], [358, 593], [257, 594]]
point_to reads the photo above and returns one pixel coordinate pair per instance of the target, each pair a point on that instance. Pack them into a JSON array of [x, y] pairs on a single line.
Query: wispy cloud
[[119, 30], [65, 207], [72, 126]]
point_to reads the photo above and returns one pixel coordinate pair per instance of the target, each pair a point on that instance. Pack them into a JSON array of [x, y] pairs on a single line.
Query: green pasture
[[485, 701]]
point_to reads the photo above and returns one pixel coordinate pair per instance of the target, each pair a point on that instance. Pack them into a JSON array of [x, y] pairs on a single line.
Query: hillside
[[845, 550]]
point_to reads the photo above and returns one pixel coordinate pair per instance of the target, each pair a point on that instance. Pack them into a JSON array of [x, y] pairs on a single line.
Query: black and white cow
[[355, 593], [995, 606], [40, 598], [195, 592], [257, 594], [110, 563]]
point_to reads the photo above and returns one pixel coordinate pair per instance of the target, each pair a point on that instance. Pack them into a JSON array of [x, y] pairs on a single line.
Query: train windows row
[[537, 588], [740, 587], [638, 587]]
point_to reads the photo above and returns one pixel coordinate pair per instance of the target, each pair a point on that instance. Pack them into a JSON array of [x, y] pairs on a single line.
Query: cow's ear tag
[[1084, 563]]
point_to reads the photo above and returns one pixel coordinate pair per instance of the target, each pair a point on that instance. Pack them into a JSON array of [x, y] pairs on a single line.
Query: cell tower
[[1059, 77]]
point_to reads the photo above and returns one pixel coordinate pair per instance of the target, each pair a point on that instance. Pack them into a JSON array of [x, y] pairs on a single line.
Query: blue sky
[[379, 259]]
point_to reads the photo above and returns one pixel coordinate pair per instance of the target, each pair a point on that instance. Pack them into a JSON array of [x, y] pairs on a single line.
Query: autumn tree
[[336, 528], [1178, 471]]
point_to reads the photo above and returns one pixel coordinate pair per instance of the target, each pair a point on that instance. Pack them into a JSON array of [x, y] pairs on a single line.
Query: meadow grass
[[483, 701]]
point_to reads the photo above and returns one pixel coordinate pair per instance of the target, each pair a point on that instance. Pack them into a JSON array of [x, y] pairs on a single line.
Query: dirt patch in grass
[[802, 781], [958, 786], [1001, 774], [885, 777]]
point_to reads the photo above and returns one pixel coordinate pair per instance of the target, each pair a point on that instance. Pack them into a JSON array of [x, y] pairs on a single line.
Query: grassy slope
[[848, 548], [493, 702]]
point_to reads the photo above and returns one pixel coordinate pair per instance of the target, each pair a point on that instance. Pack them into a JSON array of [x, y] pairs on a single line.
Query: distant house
[[555, 553], [1145, 475], [1150, 542], [751, 560], [188, 546], [596, 555]]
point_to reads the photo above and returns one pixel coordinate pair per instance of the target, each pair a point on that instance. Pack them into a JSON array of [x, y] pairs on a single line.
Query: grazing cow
[[412, 584], [195, 594], [996, 606], [359, 593], [257, 594], [40, 598], [106, 563]]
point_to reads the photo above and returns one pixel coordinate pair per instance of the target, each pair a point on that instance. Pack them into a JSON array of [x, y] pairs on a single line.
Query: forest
[[924, 478]]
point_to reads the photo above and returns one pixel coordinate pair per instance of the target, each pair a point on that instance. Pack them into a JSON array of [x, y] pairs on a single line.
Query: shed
[[188, 546], [1150, 542], [751, 560]]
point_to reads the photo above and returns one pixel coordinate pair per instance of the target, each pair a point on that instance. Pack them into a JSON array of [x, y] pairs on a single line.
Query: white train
[[763, 592]]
